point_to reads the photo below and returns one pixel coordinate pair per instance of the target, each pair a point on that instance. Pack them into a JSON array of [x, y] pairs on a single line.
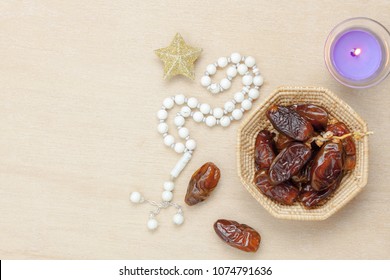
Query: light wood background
[[80, 86]]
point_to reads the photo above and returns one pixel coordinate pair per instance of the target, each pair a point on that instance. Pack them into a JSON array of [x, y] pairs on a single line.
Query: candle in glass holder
[[357, 52]]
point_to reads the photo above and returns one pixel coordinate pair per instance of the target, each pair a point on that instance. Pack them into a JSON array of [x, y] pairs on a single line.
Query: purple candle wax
[[356, 54]]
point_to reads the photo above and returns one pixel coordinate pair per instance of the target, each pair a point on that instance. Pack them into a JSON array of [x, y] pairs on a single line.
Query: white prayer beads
[[202, 113], [240, 65]]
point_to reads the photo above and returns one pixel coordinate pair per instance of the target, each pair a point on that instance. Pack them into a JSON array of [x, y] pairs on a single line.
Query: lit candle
[[357, 52]]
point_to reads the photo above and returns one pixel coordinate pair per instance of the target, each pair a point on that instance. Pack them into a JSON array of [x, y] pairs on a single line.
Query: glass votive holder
[[357, 52]]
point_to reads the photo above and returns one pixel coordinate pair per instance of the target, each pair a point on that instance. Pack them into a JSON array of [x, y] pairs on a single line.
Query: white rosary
[[202, 113]]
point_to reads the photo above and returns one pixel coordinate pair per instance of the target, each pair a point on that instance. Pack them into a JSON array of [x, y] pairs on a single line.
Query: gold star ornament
[[178, 58]]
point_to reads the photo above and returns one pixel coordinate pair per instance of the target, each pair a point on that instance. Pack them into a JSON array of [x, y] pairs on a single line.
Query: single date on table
[[242, 270]]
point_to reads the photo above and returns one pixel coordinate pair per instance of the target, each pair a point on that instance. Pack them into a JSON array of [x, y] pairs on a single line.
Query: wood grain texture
[[79, 89]]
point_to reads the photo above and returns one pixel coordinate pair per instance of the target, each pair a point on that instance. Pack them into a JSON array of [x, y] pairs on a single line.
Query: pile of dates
[[297, 165]]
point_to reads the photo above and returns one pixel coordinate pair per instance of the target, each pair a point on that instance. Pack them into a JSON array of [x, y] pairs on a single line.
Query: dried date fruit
[[349, 162], [339, 129], [202, 183], [264, 149], [327, 167], [311, 198], [289, 122], [284, 193], [238, 235], [288, 162], [283, 141], [316, 115], [303, 176]]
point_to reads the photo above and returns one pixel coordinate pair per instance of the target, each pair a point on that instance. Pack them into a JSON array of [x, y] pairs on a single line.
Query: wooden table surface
[[80, 87]]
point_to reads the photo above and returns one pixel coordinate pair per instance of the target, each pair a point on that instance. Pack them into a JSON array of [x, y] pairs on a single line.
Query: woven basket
[[352, 183]]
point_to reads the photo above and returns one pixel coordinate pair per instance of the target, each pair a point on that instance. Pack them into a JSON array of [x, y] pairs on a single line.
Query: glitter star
[[178, 58]]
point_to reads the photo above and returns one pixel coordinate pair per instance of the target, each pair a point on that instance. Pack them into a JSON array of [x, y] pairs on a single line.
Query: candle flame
[[356, 52]]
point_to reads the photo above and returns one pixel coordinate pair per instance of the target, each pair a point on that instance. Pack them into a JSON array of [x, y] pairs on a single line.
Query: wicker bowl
[[352, 183]]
